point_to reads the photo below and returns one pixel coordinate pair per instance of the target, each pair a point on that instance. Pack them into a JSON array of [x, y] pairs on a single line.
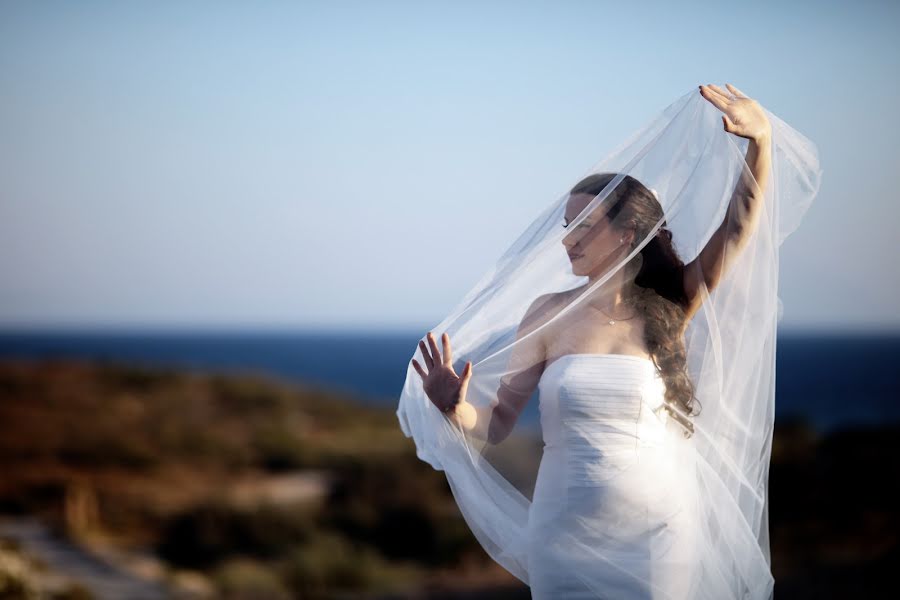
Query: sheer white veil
[[670, 187]]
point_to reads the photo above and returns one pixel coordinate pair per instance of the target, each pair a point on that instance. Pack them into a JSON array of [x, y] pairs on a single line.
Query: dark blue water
[[830, 380]]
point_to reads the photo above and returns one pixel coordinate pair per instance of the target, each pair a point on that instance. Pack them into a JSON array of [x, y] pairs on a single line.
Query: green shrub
[[207, 534], [278, 449], [328, 564], [241, 578]]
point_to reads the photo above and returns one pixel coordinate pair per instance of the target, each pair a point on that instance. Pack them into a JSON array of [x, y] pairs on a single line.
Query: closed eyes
[[582, 224]]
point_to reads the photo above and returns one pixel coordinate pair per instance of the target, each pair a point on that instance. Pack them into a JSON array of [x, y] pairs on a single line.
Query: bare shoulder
[[531, 353], [543, 309]]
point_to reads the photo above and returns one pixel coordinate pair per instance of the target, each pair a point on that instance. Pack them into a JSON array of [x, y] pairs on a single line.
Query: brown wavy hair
[[658, 294]]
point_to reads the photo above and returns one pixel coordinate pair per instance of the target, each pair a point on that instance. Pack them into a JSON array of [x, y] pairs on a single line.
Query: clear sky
[[361, 164]]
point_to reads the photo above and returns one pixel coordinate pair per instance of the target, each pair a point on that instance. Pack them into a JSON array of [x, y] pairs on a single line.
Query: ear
[[630, 234]]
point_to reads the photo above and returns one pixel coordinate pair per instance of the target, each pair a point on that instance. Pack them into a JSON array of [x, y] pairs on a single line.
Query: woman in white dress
[[626, 503]]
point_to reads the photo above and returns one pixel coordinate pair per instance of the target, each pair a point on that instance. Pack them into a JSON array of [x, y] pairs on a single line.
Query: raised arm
[[743, 117]]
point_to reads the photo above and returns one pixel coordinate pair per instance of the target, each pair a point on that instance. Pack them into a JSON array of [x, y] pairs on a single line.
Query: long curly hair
[[658, 294]]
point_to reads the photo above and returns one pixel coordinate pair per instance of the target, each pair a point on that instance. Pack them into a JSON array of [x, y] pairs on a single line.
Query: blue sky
[[207, 164]]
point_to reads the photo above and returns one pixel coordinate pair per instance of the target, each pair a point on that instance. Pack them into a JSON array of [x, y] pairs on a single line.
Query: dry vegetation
[[261, 486], [264, 489]]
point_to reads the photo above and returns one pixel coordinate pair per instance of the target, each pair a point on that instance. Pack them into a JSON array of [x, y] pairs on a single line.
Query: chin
[[578, 268]]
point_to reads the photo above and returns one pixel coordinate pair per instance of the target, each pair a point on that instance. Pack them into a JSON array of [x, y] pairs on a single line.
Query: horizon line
[[137, 328]]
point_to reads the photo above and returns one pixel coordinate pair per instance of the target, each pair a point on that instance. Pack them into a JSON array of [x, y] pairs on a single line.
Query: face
[[595, 243]]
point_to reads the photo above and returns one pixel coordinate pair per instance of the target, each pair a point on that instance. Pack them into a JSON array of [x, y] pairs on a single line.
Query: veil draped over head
[[566, 442]]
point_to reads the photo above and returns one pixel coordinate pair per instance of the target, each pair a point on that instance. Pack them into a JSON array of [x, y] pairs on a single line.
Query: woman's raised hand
[[743, 116], [443, 386]]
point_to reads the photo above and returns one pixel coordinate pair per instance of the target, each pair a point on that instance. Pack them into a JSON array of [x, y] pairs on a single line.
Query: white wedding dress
[[613, 513], [621, 505]]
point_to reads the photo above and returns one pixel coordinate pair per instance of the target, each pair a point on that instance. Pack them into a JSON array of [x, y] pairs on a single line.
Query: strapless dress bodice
[[600, 411]]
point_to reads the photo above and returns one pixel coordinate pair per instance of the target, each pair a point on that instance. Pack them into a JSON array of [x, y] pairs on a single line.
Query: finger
[[721, 95], [717, 100], [724, 93], [729, 124], [467, 372], [448, 353], [736, 91], [426, 356], [418, 369], [434, 349], [464, 379]]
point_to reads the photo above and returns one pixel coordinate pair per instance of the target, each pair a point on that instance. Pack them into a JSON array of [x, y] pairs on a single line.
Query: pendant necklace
[[612, 320]]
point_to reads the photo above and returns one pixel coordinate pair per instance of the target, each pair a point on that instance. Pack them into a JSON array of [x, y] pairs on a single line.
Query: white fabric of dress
[[610, 456]]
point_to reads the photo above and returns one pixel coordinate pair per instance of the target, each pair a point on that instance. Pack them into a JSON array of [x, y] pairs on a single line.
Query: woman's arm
[[495, 422], [743, 117]]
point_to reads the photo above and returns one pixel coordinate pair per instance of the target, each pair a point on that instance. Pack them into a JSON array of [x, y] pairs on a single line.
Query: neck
[[613, 292]]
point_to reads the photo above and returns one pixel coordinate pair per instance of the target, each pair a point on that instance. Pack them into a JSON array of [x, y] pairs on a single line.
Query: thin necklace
[[612, 320]]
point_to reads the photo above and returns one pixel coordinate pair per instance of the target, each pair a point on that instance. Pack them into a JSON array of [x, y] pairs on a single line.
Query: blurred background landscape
[[218, 227]]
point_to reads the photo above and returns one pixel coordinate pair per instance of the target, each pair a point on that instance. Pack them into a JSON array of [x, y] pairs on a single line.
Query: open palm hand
[[743, 116], [442, 385]]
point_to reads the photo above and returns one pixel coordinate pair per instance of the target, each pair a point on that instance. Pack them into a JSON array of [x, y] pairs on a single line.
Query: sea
[[829, 380]]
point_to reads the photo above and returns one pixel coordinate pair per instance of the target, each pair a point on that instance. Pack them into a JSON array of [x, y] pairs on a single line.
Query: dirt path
[[104, 580]]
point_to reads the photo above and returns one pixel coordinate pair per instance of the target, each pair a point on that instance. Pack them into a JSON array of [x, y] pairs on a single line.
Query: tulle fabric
[[603, 491]]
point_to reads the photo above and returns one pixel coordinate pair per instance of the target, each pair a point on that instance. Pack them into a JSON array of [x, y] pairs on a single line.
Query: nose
[[569, 245], [570, 240]]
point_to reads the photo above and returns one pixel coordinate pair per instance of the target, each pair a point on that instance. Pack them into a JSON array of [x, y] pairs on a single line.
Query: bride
[[641, 490]]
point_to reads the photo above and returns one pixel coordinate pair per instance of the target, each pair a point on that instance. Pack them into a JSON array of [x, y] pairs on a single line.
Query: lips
[[574, 256]]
